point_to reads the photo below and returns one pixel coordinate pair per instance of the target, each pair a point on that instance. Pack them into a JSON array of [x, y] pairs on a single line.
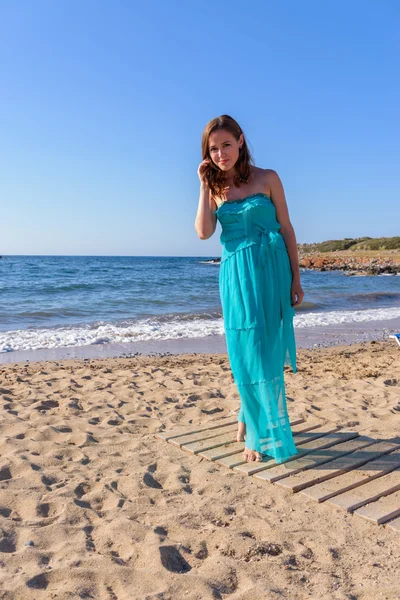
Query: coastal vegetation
[[353, 244]]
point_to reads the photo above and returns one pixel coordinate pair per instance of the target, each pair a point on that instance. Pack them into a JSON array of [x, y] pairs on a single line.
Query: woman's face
[[224, 149]]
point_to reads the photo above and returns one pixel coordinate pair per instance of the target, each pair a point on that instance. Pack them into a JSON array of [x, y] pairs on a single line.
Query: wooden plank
[[223, 440], [369, 492], [388, 461], [355, 473], [304, 438], [302, 426], [166, 435], [363, 451], [317, 449], [311, 439], [305, 443], [182, 440], [232, 455], [226, 457], [395, 524], [384, 509]]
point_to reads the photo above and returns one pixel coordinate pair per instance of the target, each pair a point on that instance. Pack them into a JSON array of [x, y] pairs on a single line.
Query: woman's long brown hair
[[213, 175]]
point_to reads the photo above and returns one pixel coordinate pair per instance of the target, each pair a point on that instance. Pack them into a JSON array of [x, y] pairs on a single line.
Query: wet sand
[[306, 337]]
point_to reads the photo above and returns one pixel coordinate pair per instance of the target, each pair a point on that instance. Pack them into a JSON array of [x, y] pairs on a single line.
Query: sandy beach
[[93, 505]]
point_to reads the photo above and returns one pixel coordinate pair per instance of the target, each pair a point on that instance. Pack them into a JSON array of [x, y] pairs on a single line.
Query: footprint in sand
[[47, 405], [90, 545], [172, 560], [5, 392], [148, 478], [151, 482], [117, 559], [8, 542], [75, 383], [162, 532], [39, 582], [211, 411], [202, 553], [75, 403], [5, 473], [390, 381], [185, 479], [44, 560], [42, 510], [80, 490]]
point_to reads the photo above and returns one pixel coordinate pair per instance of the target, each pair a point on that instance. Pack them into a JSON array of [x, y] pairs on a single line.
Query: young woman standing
[[259, 283]]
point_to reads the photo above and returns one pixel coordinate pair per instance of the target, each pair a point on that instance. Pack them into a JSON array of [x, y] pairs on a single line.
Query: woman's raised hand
[[201, 171]]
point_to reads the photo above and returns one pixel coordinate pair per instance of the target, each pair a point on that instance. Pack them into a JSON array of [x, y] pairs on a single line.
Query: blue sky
[[103, 105]]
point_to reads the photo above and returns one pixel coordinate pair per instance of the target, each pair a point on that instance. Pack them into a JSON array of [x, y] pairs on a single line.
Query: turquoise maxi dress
[[255, 289]]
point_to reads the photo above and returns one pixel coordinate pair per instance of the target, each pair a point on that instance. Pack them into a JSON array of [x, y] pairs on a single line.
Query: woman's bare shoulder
[[270, 174], [259, 175], [267, 178]]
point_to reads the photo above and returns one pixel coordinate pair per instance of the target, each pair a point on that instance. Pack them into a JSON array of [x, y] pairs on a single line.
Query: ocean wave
[[174, 327]]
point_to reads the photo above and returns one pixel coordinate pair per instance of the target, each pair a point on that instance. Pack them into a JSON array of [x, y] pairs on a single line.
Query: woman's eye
[[214, 149]]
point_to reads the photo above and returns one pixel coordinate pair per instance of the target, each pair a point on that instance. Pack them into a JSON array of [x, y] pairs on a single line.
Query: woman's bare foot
[[251, 456], [241, 432]]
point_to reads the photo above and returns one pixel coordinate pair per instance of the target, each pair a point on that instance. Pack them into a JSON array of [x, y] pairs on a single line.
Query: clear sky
[[103, 104]]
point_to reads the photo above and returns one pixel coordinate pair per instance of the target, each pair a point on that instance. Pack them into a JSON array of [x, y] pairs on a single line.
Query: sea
[[54, 307]]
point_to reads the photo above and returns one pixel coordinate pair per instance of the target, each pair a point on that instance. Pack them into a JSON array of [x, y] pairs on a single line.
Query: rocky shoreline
[[353, 265], [367, 264]]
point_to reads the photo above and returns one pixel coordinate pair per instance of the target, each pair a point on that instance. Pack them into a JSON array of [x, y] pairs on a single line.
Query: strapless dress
[[255, 280]]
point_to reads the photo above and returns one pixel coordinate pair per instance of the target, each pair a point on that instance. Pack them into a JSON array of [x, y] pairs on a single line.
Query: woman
[[259, 283]]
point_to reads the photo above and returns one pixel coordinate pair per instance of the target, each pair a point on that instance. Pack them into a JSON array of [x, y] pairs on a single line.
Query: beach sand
[[93, 505]]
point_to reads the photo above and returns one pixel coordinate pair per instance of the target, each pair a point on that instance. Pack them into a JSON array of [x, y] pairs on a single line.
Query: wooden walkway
[[355, 473]]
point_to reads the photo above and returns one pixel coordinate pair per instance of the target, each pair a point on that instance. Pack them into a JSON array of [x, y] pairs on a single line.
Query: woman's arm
[[282, 214], [206, 221]]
